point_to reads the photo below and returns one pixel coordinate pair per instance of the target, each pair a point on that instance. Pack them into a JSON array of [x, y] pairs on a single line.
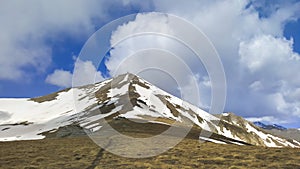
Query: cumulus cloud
[[26, 27], [85, 73], [152, 22], [266, 51], [259, 62], [273, 61], [60, 78], [285, 106], [159, 52]]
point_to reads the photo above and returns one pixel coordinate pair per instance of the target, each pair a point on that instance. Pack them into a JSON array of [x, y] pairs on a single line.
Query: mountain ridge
[[269, 126], [131, 99]]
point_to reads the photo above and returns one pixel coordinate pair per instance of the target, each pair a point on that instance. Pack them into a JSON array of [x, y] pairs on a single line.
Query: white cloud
[[152, 22], [285, 106], [157, 52], [189, 94], [259, 61], [60, 78], [266, 119], [85, 73], [273, 61], [15, 58], [26, 27], [266, 50]]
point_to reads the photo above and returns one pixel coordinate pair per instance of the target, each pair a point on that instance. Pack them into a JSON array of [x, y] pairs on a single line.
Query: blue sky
[[39, 38]]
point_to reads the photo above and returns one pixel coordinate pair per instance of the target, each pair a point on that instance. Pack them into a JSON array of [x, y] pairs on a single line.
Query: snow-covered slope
[[24, 119], [129, 97]]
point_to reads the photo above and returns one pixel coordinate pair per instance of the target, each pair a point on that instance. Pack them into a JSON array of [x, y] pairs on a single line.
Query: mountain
[[128, 104], [268, 126], [280, 131]]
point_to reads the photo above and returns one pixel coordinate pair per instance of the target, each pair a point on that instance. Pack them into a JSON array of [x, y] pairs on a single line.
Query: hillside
[[83, 153], [103, 108]]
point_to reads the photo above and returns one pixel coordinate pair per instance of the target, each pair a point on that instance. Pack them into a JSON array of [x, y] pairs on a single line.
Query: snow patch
[[225, 114], [212, 140]]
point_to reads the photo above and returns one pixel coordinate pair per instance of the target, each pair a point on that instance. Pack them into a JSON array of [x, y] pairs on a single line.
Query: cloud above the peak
[[84, 73], [154, 48], [259, 62], [60, 78]]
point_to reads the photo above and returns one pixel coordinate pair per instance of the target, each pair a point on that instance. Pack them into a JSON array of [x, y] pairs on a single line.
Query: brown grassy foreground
[[81, 152]]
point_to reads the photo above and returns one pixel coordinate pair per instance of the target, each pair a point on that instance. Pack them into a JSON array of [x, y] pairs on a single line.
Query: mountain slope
[[254, 135], [126, 100], [291, 134]]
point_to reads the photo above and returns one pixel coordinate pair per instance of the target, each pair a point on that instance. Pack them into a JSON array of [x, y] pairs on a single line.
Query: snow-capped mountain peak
[[124, 97]]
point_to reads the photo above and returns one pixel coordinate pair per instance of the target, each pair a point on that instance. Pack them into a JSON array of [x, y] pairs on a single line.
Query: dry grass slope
[[81, 152]]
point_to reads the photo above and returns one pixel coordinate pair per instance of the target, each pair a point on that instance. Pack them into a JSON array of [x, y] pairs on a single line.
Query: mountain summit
[[128, 104]]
